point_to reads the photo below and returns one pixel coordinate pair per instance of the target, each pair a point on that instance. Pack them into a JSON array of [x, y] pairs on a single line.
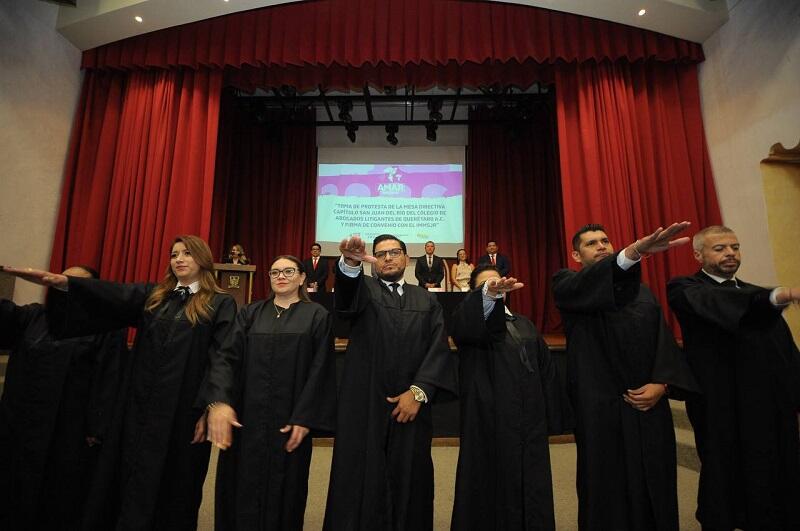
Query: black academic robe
[[149, 475], [429, 275], [382, 473], [56, 394], [318, 275], [274, 371], [617, 340], [745, 422], [508, 389]]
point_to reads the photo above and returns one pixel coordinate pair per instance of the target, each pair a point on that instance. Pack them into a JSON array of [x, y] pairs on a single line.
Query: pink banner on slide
[[380, 180]]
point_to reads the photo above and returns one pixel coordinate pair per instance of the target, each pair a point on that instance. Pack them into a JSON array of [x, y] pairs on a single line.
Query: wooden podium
[[236, 280]]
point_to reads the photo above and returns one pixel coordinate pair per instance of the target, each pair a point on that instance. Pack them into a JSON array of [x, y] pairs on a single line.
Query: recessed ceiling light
[[138, 19], [642, 12]]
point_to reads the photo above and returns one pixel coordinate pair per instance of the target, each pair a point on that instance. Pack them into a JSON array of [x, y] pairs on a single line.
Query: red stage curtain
[[513, 196], [266, 191], [345, 43], [633, 155], [140, 170]]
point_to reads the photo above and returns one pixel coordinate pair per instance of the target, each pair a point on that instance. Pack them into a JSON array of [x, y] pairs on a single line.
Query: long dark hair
[[199, 305], [302, 292]]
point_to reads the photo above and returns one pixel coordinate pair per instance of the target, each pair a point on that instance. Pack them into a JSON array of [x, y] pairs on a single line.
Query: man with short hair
[[397, 362], [57, 403], [493, 257], [748, 368], [622, 359], [316, 269], [429, 269]]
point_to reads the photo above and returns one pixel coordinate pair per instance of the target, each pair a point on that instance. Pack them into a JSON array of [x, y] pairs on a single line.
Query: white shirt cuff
[[349, 270], [624, 262], [773, 298]]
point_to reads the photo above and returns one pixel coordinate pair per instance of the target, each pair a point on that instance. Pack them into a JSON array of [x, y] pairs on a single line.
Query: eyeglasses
[[394, 253], [288, 272]]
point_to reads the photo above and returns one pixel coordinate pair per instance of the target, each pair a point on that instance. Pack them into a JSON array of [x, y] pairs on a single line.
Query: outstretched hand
[[660, 240], [355, 250], [37, 276], [496, 286]]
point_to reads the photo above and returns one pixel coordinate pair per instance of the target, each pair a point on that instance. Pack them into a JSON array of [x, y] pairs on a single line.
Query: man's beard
[[391, 277]]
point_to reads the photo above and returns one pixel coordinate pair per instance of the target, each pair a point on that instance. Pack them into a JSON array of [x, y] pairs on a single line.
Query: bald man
[[56, 403]]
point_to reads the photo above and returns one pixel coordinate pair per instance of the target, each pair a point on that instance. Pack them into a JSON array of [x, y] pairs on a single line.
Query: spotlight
[[435, 108], [431, 131], [391, 134], [351, 132], [344, 111]]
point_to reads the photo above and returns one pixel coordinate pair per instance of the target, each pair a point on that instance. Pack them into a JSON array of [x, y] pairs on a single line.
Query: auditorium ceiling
[[93, 23]]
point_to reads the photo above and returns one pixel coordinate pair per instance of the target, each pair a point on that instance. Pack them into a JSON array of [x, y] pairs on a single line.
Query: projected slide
[[415, 202]]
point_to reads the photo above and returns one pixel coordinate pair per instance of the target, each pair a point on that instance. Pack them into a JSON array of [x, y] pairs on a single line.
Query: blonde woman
[[461, 271], [152, 466]]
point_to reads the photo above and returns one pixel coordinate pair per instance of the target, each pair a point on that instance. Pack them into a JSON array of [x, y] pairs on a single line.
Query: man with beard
[[622, 358], [56, 406], [397, 362], [748, 367]]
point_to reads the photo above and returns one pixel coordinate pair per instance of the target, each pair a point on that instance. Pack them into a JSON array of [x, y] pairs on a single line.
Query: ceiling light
[[435, 108], [430, 131], [351, 132], [642, 12], [391, 134], [345, 107], [138, 19]]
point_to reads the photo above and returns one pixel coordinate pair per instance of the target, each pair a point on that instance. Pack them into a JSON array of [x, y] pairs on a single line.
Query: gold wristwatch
[[419, 394]]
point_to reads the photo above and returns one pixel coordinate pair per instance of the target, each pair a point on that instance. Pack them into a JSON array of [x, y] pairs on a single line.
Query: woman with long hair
[[236, 255], [461, 271], [152, 466], [276, 374]]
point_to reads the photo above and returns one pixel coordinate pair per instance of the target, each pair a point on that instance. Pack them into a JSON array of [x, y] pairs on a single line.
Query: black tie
[[728, 284], [395, 294], [183, 292]]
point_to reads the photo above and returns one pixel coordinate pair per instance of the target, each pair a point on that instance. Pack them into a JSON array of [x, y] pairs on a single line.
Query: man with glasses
[[397, 362]]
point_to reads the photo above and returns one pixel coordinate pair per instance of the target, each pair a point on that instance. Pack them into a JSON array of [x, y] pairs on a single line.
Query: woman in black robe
[[508, 392], [152, 467], [275, 373]]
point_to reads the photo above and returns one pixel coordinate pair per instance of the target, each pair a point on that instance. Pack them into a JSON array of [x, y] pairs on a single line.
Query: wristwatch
[[419, 394]]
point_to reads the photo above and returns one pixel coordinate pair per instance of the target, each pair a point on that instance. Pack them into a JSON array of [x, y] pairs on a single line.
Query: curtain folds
[[140, 170], [266, 190], [513, 195], [634, 157]]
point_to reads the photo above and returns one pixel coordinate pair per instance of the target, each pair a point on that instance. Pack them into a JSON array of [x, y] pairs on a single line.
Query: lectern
[[237, 280]]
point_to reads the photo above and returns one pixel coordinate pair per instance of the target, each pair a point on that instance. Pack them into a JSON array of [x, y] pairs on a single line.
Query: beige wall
[[39, 88], [750, 86]]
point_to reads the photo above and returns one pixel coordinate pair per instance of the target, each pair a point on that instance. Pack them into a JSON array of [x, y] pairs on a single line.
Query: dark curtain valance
[[389, 38]]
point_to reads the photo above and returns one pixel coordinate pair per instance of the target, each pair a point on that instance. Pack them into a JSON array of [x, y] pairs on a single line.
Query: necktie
[[493, 261], [315, 263], [183, 292], [395, 294], [430, 262], [728, 284]]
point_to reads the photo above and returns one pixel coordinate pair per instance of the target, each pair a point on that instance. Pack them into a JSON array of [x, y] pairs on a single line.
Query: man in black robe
[[621, 360], [748, 367], [509, 402], [54, 414], [397, 362]]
